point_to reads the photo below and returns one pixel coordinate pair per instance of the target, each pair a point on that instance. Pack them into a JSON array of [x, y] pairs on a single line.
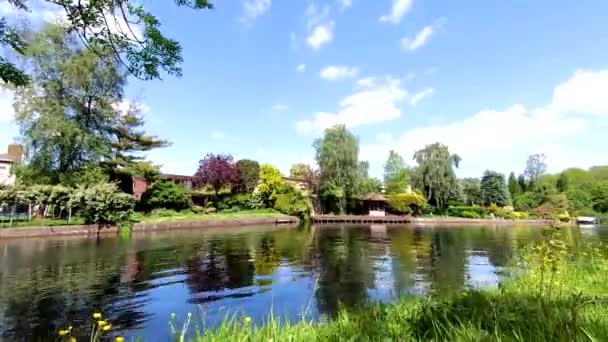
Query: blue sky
[[494, 80]]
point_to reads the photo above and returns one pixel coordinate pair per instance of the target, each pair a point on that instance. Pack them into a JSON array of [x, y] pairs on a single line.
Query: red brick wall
[[139, 187]]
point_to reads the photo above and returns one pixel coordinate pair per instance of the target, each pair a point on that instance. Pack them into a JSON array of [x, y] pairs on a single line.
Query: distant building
[[298, 183], [7, 160], [375, 204], [140, 185]]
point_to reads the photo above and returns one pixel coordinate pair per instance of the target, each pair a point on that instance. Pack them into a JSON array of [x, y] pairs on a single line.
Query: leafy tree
[[536, 166], [471, 189], [144, 51], [68, 117], [579, 199], [144, 169], [103, 204], [299, 170], [247, 175], [514, 186], [337, 155], [216, 171], [562, 182], [403, 203], [366, 184], [167, 195], [435, 173], [396, 174], [523, 183], [599, 197], [271, 182], [494, 189]]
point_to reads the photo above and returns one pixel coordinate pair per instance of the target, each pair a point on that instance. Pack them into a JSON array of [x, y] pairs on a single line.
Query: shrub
[[162, 212], [167, 195], [470, 214], [255, 201], [292, 203], [459, 211], [103, 204], [406, 203]]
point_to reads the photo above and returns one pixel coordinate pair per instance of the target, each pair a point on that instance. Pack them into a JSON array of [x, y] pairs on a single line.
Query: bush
[[103, 204], [292, 203], [406, 203], [459, 211], [162, 212], [470, 214], [167, 195]]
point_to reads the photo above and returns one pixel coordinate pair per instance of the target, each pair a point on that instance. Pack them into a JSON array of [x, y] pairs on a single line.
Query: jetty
[[361, 219]]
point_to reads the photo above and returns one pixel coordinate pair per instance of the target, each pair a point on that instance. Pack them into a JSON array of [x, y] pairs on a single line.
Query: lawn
[[172, 216]]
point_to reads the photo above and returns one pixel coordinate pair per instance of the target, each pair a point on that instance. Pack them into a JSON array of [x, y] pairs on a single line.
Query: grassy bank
[[555, 293], [172, 216]]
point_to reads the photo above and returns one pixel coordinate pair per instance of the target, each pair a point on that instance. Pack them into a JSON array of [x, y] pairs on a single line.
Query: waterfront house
[[7, 161], [375, 204]]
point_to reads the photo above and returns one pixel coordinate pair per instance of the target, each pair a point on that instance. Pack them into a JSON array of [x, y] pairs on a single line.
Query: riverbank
[[186, 221], [553, 295], [444, 220]]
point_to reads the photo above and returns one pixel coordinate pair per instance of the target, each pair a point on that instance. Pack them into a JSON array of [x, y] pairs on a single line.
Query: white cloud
[[301, 68], [344, 4], [421, 95], [366, 82], [377, 103], [422, 37], [255, 8], [584, 92], [321, 35], [398, 10], [280, 107], [490, 138], [338, 72], [314, 16]]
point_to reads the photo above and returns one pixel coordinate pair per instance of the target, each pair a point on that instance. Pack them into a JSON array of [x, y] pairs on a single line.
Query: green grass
[[39, 222], [190, 216], [558, 297]]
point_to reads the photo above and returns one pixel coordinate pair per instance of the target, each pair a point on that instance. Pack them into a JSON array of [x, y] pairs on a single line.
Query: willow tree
[[434, 174], [396, 174], [337, 154], [122, 29], [69, 115]]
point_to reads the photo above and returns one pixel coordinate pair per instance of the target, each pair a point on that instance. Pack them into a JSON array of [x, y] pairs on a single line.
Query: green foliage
[[494, 189], [471, 191], [514, 186], [434, 174], [247, 175], [293, 204], [255, 201], [396, 174], [473, 211], [406, 203], [72, 129], [599, 197], [526, 201], [103, 204], [337, 155], [299, 170], [144, 51], [270, 182], [562, 182], [536, 166], [167, 195]]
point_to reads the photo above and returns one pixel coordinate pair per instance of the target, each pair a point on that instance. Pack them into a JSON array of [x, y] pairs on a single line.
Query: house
[[375, 204], [298, 183], [7, 160], [140, 185]]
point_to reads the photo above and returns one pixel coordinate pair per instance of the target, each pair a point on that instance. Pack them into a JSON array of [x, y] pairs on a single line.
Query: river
[[138, 282]]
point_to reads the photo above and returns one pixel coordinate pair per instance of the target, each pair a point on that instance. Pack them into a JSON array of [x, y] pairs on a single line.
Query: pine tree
[[494, 189]]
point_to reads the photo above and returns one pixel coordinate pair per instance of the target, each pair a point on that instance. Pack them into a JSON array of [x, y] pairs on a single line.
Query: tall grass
[[556, 293]]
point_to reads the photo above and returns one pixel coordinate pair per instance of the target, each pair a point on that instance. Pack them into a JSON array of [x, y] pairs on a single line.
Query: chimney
[[15, 152]]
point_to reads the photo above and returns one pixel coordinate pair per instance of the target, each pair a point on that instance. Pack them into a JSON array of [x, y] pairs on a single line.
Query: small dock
[[360, 219]]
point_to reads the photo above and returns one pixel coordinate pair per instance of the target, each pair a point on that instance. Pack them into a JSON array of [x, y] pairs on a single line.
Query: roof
[[374, 197], [6, 156], [175, 177], [294, 179]]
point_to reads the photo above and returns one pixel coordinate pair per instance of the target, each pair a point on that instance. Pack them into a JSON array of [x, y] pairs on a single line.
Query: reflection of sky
[[480, 272]]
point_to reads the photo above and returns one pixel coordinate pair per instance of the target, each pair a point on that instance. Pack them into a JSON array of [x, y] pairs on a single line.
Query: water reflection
[[48, 283]]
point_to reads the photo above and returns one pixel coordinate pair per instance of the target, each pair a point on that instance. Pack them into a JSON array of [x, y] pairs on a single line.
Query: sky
[[496, 81]]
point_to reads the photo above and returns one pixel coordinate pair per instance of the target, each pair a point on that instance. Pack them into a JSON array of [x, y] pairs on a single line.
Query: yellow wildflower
[[247, 319], [120, 339], [72, 339], [102, 323], [63, 332], [107, 327], [97, 315]]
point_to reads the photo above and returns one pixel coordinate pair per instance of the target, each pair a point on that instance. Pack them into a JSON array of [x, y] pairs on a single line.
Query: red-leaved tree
[[216, 171]]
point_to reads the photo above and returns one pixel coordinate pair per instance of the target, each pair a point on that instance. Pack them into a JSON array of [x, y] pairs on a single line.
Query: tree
[[166, 194], [434, 174], [247, 175], [523, 184], [68, 116], [366, 184], [494, 189], [514, 186], [471, 189], [536, 166], [337, 155], [216, 171], [122, 27], [562, 182], [599, 197], [271, 182], [299, 170], [396, 174]]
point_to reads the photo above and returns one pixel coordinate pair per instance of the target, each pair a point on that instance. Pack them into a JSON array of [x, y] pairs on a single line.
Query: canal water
[[139, 282]]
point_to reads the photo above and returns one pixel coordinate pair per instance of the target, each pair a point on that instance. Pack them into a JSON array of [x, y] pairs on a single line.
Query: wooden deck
[[320, 219]]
